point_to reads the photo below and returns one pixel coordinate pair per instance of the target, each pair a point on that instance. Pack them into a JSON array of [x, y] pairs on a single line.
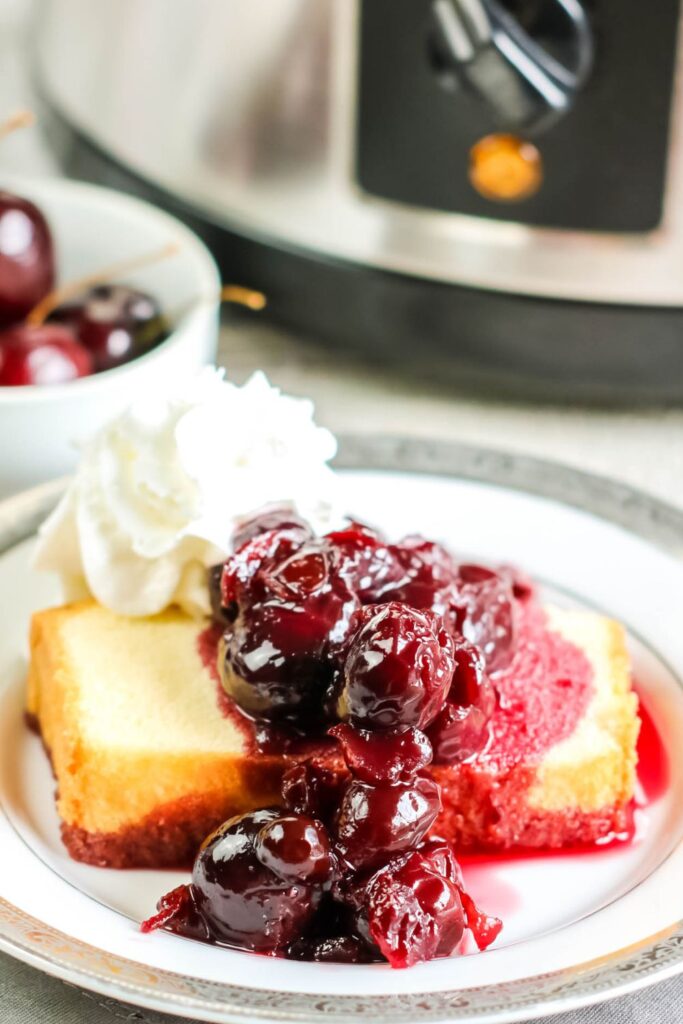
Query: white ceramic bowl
[[40, 427]]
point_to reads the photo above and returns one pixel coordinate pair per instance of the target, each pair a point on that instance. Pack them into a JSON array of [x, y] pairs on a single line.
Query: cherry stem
[[237, 294], [58, 296], [20, 119], [242, 296]]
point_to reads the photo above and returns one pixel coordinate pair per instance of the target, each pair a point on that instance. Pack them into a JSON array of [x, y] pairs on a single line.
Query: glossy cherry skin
[[376, 757], [313, 791], [115, 323], [276, 659], [296, 848], [461, 729], [413, 912], [280, 517], [429, 569], [365, 561], [458, 733], [411, 907], [397, 670], [470, 684], [243, 901], [375, 822], [27, 263], [260, 551], [486, 614], [41, 355]]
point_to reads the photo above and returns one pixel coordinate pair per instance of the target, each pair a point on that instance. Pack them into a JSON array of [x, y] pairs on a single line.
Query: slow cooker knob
[[482, 46]]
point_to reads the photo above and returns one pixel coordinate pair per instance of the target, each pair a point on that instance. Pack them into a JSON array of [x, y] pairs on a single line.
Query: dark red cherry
[[413, 912], [262, 550], [356, 534], [457, 733], [439, 856], [428, 572], [280, 518], [115, 323], [397, 670], [365, 561], [42, 355], [377, 757], [276, 659], [261, 674], [296, 848], [375, 822], [411, 907], [469, 684], [486, 613], [461, 728], [311, 790], [27, 264], [241, 899]]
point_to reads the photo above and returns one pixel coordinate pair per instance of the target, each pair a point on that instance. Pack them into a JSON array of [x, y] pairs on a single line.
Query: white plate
[[577, 928]]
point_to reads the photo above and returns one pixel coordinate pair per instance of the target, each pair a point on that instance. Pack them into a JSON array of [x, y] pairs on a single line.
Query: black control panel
[[431, 84]]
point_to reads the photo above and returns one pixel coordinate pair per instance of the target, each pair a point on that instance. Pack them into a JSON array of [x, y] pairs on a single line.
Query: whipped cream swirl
[[160, 489]]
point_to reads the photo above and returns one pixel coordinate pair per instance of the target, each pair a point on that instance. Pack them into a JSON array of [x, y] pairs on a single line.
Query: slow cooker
[[487, 191]]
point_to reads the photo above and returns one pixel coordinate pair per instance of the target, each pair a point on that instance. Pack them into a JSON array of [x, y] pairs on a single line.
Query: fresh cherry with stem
[[41, 352], [27, 260]]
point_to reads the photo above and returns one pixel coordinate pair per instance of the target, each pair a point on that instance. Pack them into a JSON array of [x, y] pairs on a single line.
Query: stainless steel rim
[[657, 957]]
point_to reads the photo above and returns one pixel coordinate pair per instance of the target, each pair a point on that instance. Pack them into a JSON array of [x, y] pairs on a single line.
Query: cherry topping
[[460, 730], [414, 913], [397, 670], [340, 949], [428, 574], [469, 684], [486, 613], [365, 561], [241, 898], [296, 848], [523, 586], [311, 790], [48, 354], [383, 757], [261, 550], [281, 518], [344, 873], [485, 928], [177, 912], [27, 265], [375, 822], [458, 733], [277, 656], [173, 904]]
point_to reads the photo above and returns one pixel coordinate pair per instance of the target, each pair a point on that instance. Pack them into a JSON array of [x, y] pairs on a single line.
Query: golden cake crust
[[116, 776]]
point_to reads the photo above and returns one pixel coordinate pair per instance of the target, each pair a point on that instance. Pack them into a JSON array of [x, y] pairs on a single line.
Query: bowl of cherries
[[103, 298]]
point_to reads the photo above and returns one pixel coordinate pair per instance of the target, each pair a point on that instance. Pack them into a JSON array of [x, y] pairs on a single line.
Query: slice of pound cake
[[150, 756]]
